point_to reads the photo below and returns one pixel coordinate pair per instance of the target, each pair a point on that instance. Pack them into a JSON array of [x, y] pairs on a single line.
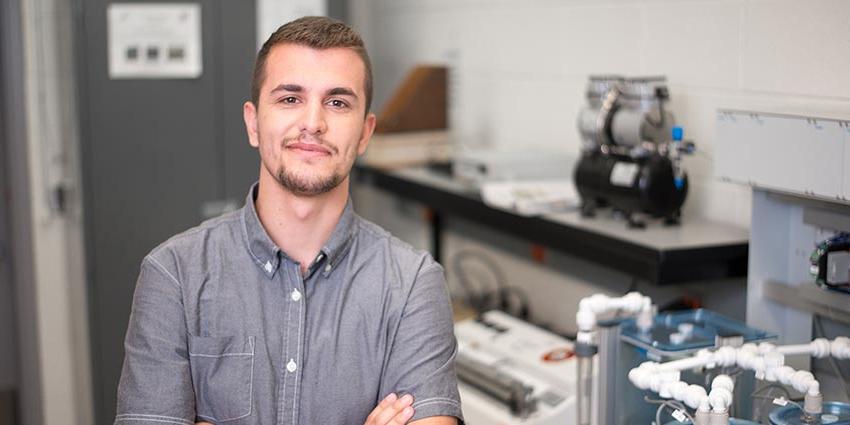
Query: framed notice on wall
[[154, 40]]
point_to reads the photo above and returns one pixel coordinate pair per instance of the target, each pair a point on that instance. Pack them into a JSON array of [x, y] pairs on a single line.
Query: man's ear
[[368, 130], [249, 114]]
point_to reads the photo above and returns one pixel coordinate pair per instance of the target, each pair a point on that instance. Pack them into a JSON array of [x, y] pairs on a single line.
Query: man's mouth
[[309, 148]]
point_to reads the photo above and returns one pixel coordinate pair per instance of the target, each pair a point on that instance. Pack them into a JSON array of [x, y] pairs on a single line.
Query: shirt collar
[[266, 253]]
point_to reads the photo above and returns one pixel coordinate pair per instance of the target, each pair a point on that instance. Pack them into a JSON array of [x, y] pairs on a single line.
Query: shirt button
[[328, 268], [268, 266], [296, 295], [291, 366]]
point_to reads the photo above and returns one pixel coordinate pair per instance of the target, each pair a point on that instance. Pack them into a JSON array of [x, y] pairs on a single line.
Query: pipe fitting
[[719, 418], [820, 348], [694, 396], [840, 348], [813, 404]]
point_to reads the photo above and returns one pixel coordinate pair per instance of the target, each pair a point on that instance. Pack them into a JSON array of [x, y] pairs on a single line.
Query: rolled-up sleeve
[[424, 349], [156, 382]]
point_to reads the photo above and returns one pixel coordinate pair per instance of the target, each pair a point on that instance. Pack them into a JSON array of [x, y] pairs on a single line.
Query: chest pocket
[[222, 374]]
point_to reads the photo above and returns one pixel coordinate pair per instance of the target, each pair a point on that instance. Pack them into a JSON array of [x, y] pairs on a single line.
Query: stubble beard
[[305, 186]]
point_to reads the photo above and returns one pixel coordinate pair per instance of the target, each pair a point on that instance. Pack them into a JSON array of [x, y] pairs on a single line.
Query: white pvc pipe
[[686, 363], [591, 307]]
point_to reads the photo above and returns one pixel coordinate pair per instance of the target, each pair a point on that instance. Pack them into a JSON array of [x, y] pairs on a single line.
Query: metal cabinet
[[155, 153]]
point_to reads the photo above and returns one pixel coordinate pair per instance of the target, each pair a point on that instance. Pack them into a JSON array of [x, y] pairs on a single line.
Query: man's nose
[[313, 119]]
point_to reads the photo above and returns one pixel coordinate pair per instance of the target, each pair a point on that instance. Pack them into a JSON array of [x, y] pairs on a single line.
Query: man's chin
[[308, 186]]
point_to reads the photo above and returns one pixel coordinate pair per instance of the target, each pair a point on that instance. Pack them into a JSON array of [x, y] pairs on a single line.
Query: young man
[[294, 310]]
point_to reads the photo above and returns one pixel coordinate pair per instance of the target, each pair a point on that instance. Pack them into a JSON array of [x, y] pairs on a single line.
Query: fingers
[[392, 411], [384, 404], [403, 416]]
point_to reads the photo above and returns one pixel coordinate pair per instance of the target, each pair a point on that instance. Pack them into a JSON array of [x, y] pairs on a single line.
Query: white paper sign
[[154, 40]]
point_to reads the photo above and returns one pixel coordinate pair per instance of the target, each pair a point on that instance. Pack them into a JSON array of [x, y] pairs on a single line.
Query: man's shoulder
[[374, 237], [193, 241]]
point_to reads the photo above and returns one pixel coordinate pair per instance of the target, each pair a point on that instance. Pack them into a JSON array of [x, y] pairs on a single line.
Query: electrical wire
[[772, 387], [757, 414], [838, 374], [500, 294], [672, 404]]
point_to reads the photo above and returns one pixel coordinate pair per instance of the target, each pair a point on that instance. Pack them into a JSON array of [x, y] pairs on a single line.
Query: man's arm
[[156, 383], [421, 361]]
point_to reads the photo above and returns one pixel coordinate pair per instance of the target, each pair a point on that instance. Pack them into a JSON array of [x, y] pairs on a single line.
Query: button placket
[[295, 325]]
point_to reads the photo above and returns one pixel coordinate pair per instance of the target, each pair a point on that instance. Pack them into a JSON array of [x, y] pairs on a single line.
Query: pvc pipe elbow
[[814, 389], [585, 319], [802, 381], [720, 399], [723, 381], [695, 396], [642, 376]]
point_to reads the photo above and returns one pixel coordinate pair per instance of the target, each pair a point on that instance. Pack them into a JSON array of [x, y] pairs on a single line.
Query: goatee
[[307, 187]]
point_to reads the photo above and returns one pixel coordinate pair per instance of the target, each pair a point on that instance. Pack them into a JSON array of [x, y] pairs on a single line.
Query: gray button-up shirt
[[225, 328]]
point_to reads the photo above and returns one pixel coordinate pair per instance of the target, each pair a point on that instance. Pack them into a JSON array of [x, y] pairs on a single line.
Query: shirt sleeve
[[156, 383], [423, 352]]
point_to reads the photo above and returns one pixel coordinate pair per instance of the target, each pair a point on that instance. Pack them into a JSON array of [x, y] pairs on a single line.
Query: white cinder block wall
[[519, 69]]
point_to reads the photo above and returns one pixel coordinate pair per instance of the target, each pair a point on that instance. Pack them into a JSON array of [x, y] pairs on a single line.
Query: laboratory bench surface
[[695, 250]]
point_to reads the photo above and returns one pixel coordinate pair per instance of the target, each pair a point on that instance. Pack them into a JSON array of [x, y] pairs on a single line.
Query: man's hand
[[392, 411]]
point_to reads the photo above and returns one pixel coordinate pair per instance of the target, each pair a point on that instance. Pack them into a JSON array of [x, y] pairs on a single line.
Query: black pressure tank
[[646, 184]]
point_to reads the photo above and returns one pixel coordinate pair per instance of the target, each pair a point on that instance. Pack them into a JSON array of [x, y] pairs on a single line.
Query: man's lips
[[309, 147]]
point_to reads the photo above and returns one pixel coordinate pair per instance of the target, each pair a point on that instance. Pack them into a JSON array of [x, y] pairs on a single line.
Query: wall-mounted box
[[800, 155]]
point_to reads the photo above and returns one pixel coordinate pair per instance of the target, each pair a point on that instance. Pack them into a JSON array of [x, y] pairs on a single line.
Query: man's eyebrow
[[288, 87], [342, 91]]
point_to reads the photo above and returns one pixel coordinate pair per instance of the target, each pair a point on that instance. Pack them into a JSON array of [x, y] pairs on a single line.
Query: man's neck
[[299, 225]]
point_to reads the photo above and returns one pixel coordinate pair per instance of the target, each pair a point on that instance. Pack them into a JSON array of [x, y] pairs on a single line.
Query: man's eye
[[336, 103], [289, 99]]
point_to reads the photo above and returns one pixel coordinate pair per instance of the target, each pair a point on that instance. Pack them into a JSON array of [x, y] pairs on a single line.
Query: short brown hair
[[318, 32]]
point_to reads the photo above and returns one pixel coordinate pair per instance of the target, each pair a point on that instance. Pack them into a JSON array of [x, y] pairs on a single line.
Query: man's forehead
[[337, 66]]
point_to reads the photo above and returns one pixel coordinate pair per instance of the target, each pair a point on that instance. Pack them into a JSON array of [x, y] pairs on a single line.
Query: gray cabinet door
[[154, 152]]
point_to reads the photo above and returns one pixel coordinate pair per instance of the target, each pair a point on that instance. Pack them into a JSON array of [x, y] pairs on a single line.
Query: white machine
[[511, 372], [488, 166]]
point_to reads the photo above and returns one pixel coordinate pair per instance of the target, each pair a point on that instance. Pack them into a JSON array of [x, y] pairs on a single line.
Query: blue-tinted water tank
[[834, 413]]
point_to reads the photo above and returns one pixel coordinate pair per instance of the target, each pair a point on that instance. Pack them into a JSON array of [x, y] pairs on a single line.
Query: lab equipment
[[765, 359], [478, 166], [830, 263], [630, 349], [631, 155], [512, 372]]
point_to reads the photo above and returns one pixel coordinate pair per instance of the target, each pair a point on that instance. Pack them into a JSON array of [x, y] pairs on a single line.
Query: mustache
[[302, 138]]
